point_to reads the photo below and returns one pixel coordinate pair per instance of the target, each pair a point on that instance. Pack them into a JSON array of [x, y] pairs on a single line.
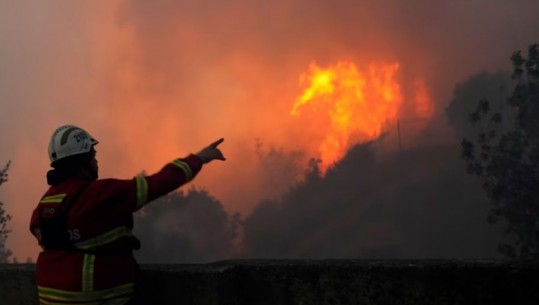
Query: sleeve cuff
[[190, 165]]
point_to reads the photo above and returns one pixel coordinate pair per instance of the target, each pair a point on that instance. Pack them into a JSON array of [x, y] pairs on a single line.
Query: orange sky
[[153, 80]]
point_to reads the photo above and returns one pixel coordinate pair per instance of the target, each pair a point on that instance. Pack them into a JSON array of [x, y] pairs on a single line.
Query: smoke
[[418, 204], [180, 228], [154, 81], [493, 87]]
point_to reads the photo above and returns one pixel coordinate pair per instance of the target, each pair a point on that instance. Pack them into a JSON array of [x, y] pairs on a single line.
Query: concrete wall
[[261, 282]]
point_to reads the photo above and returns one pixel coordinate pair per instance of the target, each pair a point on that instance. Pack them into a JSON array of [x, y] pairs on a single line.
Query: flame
[[424, 106], [356, 104]]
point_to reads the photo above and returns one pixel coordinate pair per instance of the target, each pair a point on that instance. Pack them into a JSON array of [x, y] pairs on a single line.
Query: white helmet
[[69, 140]]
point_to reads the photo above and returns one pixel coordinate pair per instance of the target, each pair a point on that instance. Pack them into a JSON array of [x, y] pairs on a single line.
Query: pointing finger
[[216, 143]]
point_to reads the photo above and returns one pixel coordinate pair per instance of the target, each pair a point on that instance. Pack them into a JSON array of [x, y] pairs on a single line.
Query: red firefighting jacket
[[89, 260]]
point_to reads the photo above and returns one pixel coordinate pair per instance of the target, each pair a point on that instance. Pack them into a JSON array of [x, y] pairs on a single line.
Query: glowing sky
[[153, 80]]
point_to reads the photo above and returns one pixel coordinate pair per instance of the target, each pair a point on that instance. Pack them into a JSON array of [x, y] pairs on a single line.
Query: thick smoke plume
[[417, 204], [157, 80]]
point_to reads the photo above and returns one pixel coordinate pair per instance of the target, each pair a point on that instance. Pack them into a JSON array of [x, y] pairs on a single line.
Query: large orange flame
[[358, 104]]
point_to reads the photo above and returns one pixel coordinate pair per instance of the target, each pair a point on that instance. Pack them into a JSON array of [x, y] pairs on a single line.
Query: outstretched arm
[[175, 174]]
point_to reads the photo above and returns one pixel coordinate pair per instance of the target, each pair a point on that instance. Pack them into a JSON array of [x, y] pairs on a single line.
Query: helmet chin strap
[[91, 171]]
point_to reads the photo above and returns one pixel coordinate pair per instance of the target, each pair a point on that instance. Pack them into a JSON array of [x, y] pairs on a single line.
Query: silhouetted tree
[[4, 219], [371, 205], [505, 156], [486, 85], [185, 228]]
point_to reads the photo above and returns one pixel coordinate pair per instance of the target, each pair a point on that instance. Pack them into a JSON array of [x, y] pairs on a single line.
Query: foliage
[[185, 228], [4, 219], [494, 87], [505, 156]]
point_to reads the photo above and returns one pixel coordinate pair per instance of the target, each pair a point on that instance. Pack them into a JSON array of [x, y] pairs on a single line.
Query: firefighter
[[84, 224]]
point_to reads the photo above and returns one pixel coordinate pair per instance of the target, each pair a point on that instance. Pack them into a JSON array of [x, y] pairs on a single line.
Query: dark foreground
[[276, 282]]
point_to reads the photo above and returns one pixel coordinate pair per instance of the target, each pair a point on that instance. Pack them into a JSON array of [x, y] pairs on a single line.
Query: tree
[[190, 227], [505, 156], [4, 219]]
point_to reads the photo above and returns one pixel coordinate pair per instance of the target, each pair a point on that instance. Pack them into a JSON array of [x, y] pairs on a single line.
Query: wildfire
[[424, 107], [356, 104]]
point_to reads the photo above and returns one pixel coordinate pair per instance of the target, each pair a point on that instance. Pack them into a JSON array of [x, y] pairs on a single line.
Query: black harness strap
[[55, 235], [54, 232]]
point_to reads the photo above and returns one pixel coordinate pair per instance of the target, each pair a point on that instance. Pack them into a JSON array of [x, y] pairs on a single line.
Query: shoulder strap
[[54, 234]]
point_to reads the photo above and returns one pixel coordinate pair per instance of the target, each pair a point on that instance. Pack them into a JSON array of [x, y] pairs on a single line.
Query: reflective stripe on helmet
[[66, 134], [185, 167]]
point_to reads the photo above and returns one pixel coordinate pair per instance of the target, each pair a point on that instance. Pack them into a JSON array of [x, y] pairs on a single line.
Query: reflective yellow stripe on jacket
[[185, 167], [118, 295], [104, 238], [121, 292], [88, 272], [142, 191], [53, 199], [115, 301]]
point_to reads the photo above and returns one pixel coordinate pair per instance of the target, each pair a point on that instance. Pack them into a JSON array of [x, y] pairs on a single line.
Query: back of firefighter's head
[[71, 149]]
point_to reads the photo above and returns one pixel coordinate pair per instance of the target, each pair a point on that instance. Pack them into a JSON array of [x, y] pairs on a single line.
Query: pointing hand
[[211, 152]]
